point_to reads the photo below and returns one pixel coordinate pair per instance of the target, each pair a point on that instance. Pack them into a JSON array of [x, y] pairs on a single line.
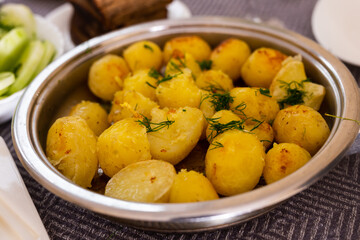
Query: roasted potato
[[252, 103], [142, 82], [284, 159], [191, 187], [262, 130], [147, 181], [180, 91], [180, 61], [222, 117], [71, 149], [106, 76], [123, 143], [229, 57], [143, 55], [215, 81], [94, 115], [234, 162], [192, 44], [261, 67], [301, 125], [174, 141], [127, 104]]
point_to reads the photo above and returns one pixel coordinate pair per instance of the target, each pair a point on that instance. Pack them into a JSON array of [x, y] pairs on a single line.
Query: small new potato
[[123, 143], [222, 117], [148, 181], [106, 76], [191, 187], [236, 163], [192, 44], [175, 141], [261, 67], [127, 104], [139, 82], [301, 125], [229, 57], [250, 102], [214, 80], [180, 91], [71, 149], [284, 159], [262, 130], [179, 61], [143, 55], [94, 115]]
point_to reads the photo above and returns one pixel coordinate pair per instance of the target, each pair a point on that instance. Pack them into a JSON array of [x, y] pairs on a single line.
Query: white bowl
[[45, 31]]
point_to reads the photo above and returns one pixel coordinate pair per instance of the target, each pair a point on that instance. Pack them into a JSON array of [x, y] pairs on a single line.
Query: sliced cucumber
[[18, 15], [49, 53], [28, 64], [6, 79], [11, 46]]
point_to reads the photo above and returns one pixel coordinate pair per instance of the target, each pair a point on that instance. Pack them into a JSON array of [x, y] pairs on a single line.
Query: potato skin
[[139, 82], [180, 91], [301, 125], [229, 57], [174, 143], [71, 149], [257, 105], [261, 67], [106, 76], [191, 187], [143, 55], [264, 132], [213, 80], [192, 44], [147, 181], [237, 166], [94, 115], [284, 159], [123, 143], [127, 104]]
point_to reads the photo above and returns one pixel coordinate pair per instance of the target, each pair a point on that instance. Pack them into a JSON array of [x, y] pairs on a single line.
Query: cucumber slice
[[49, 53], [3, 32], [11, 46], [18, 15], [28, 63], [6, 79]]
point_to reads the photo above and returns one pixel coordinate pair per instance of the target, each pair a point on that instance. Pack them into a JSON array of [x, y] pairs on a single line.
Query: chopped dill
[[150, 85], [205, 65], [295, 93], [153, 127], [154, 73], [239, 109], [264, 140], [217, 128], [216, 145], [258, 123], [220, 101], [148, 47], [175, 66], [265, 92], [342, 118]]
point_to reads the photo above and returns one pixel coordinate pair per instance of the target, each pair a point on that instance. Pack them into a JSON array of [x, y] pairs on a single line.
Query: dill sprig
[[205, 64], [217, 128], [148, 47], [239, 109], [153, 127], [342, 118], [220, 101], [265, 92], [295, 93], [216, 145], [155, 74]]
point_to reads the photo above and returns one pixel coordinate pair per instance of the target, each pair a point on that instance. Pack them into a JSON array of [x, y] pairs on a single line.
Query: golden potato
[[284, 159], [194, 45], [301, 125], [140, 81], [127, 104], [71, 149], [180, 91], [214, 80], [261, 67], [229, 57], [250, 102], [175, 141], [222, 117], [147, 181], [234, 162], [143, 55], [207, 108], [94, 115], [123, 143], [180, 61], [262, 130], [106, 76], [191, 187]]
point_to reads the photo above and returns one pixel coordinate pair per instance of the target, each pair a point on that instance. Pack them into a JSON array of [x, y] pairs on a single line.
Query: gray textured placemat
[[327, 210]]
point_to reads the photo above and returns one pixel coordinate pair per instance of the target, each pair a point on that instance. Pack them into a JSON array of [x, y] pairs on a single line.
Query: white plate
[[61, 17], [45, 30], [335, 25]]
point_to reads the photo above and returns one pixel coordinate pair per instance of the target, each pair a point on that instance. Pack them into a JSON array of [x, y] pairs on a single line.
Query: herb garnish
[[148, 47], [157, 126], [205, 65], [295, 92], [216, 145], [239, 109], [265, 92], [155, 74], [342, 118], [217, 128], [220, 101]]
